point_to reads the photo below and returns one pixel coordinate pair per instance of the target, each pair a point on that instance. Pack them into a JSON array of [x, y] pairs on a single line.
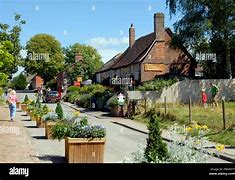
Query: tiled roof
[[111, 62], [136, 53]]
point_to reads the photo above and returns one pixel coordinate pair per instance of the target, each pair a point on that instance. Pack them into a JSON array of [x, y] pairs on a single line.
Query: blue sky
[[103, 24]]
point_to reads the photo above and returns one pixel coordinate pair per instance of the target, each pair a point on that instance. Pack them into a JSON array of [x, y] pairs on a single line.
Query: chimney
[[159, 28], [131, 35]]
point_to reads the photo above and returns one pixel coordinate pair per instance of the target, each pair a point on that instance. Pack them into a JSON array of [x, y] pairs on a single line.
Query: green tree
[[156, 149], [19, 82], [13, 35], [59, 111], [6, 61], [44, 56], [206, 26], [91, 61]]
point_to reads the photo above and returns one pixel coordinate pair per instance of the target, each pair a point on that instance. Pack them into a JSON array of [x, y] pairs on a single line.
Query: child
[[204, 98]]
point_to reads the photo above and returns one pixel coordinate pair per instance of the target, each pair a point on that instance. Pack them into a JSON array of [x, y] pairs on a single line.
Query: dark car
[[52, 96]]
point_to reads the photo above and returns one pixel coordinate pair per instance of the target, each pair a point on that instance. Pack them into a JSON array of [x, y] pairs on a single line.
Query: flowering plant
[[75, 128], [183, 149], [51, 116]]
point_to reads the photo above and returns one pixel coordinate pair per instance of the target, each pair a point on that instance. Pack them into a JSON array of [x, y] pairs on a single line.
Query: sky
[[103, 24]]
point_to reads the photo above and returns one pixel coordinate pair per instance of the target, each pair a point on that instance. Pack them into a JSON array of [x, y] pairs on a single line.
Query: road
[[121, 141]]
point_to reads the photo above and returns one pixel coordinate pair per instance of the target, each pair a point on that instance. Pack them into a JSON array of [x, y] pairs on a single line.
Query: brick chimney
[[131, 35], [159, 28]]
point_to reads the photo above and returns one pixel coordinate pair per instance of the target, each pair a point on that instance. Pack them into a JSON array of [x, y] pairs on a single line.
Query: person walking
[[11, 100], [214, 94], [204, 98]]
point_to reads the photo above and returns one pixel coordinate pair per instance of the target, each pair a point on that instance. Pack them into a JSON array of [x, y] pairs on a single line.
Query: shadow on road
[[39, 137], [53, 158], [31, 126], [25, 119]]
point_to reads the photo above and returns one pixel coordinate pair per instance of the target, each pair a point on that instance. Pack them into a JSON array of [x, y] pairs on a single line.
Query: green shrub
[[59, 111], [19, 82], [84, 100], [73, 89], [156, 85], [51, 84], [156, 149], [60, 130], [45, 109], [26, 99], [113, 101]]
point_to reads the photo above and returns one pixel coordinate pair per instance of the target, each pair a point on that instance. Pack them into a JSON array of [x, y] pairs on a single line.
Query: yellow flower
[[77, 113], [189, 129], [198, 126], [220, 147], [204, 127]]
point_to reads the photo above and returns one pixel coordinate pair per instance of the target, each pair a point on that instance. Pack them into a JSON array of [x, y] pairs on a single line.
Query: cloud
[[103, 41]]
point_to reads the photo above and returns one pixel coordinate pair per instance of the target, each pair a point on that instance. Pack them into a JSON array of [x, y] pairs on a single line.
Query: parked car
[[52, 96]]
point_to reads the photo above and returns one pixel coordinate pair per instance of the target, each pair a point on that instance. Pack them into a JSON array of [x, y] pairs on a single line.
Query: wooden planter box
[[40, 122], [82, 150], [24, 107], [32, 117], [17, 104], [27, 111], [48, 129]]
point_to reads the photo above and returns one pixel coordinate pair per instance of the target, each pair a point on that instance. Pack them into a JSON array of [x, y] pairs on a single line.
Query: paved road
[[121, 141]]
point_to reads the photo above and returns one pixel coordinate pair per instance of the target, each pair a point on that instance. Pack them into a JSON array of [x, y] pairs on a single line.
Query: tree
[[206, 26], [19, 82], [156, 149], [90, 63], [13, 35], [59, 111], [44, 56], [6, 61]]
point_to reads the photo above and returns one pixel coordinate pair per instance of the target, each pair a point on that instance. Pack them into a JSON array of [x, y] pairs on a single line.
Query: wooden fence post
[[190, 110], [165, 104], [223, 111], [145, 105]]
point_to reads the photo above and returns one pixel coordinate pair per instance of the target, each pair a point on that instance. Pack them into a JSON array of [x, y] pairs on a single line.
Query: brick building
[[149, 56], [37, 82]]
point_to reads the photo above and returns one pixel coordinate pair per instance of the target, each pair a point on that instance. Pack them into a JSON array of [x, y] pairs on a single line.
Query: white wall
[[181, 91]]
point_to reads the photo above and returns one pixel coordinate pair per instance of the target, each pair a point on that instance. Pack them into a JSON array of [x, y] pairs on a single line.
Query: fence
[[180, 92], [183, 100]]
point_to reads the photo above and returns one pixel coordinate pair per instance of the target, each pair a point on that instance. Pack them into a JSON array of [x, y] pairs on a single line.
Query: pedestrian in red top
[[204, 98]]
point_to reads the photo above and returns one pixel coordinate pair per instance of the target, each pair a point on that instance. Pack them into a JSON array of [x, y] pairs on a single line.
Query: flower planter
[[48, 129], [24, 107], [17, 104], [82, 150], [27, 111], [40, 122], [32, 117]]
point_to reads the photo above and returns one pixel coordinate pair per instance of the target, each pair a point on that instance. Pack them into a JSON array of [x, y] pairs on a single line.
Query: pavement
[[228, 154], [15, 145]]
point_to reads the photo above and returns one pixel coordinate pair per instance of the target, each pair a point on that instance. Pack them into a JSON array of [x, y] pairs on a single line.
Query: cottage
[[148, 57]]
